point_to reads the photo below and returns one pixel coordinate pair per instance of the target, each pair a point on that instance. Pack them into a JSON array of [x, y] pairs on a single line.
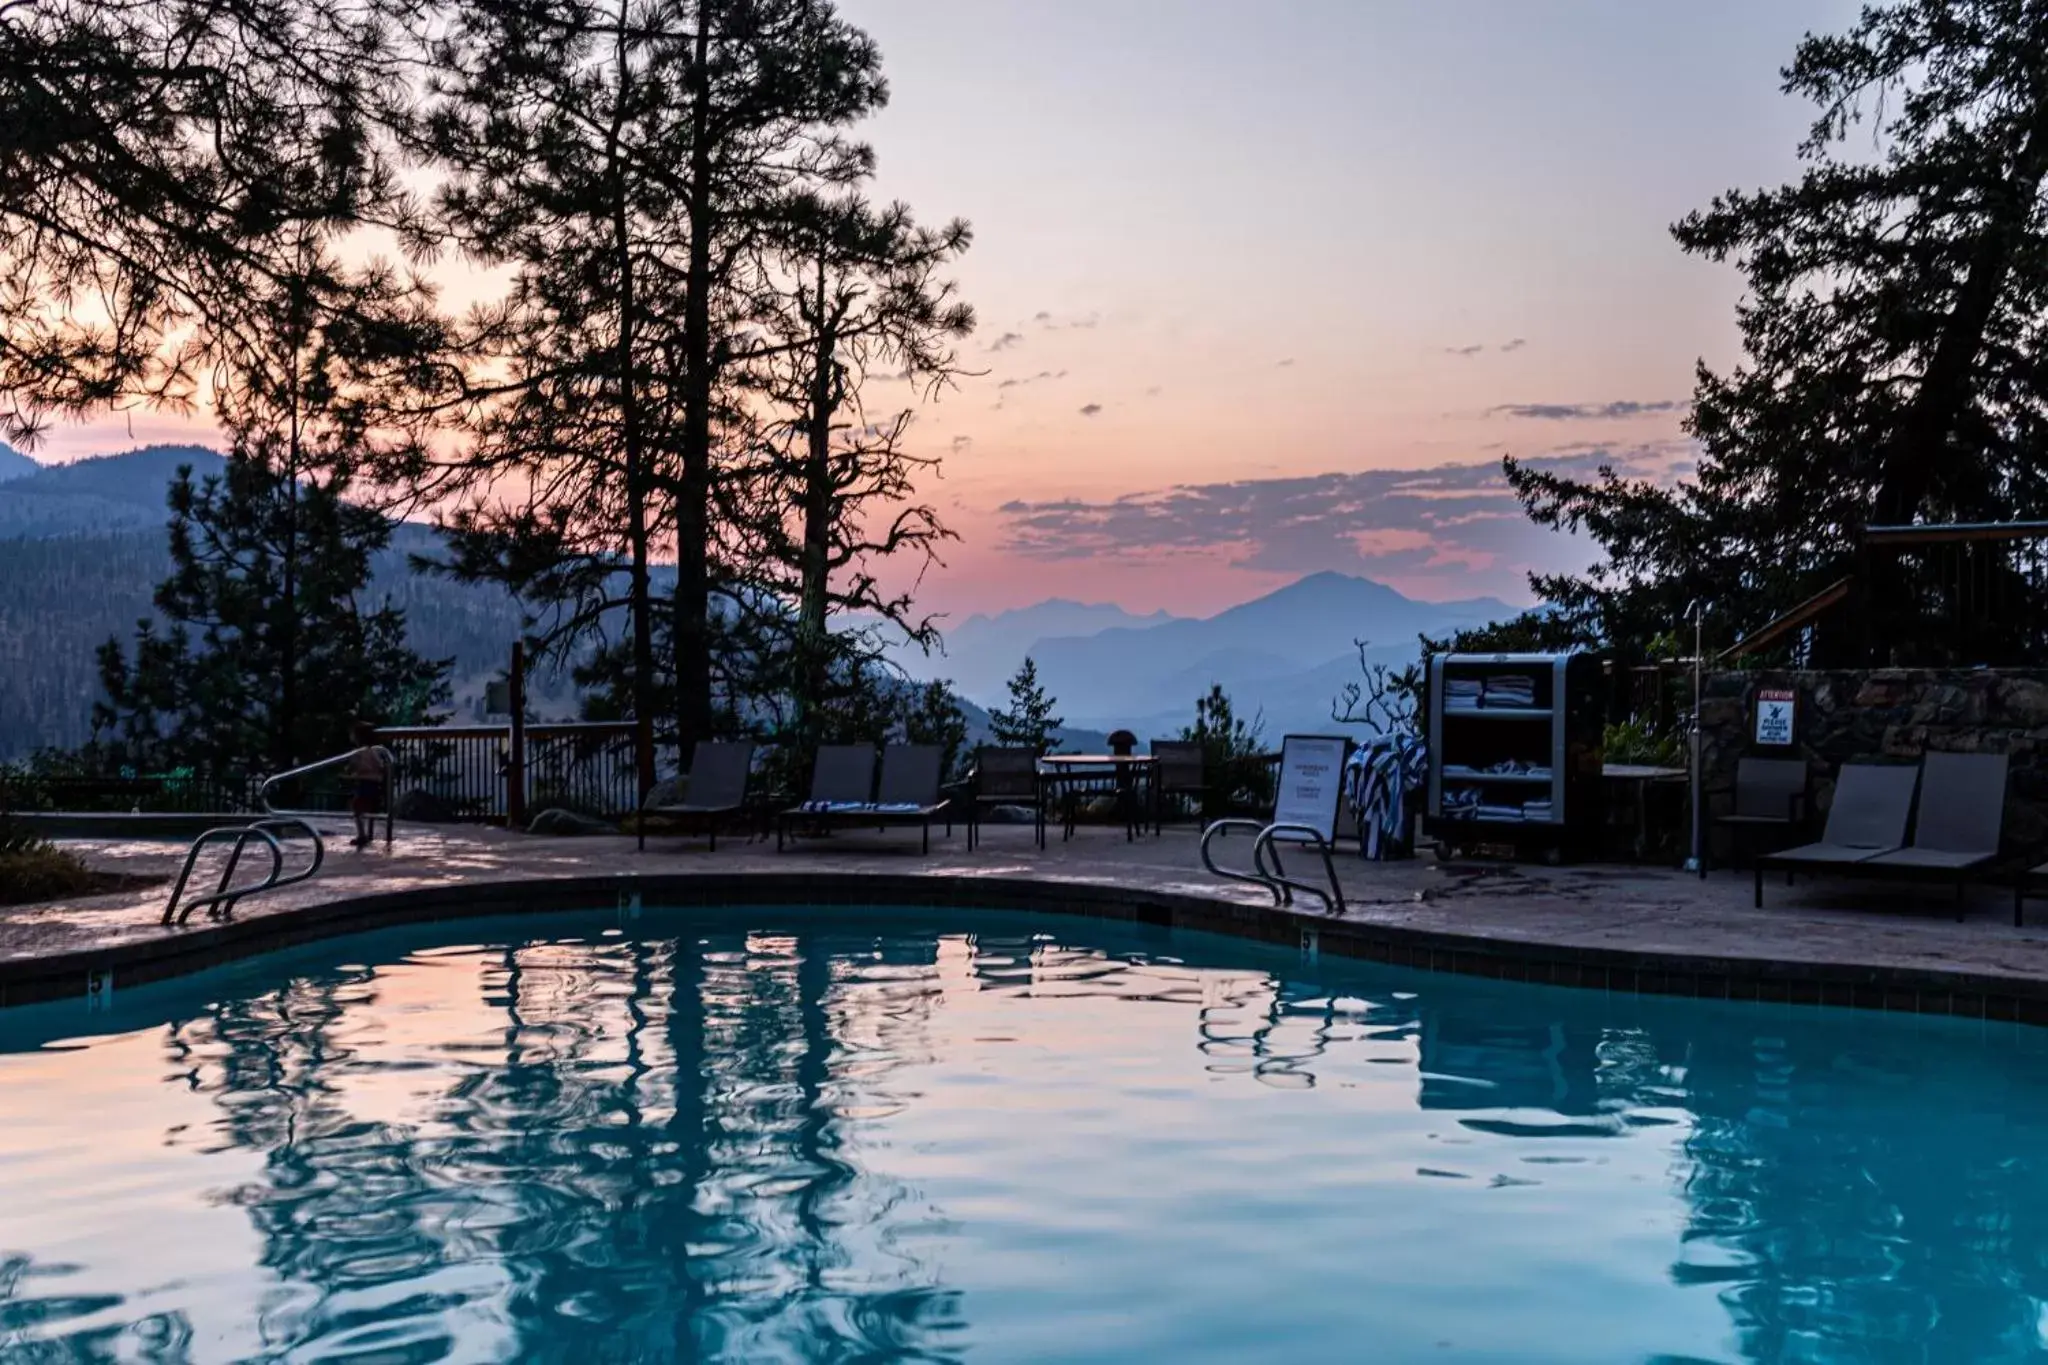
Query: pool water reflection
[[883, 1135]]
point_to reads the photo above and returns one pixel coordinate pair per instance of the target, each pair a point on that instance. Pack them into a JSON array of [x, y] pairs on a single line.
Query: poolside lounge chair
[[909, 793], [842, 778], [1769, 798], [716, 791], [1960, 820], [1868, 819], [1004, 775], [1182, 772], [1306, 803]]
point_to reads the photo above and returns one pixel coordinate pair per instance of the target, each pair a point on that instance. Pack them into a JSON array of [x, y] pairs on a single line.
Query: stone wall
[[1896, 714]]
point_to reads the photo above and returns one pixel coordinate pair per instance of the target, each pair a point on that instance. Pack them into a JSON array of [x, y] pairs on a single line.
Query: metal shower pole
[[1697, 863]]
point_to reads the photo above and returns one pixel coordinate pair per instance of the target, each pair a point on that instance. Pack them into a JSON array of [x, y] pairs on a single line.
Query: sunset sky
[[1250, 276]]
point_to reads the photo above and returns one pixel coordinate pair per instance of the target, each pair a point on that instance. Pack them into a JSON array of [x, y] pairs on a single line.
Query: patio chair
[[909, 791], [1769, 796], [1004, 775], [1306, 804], [1868, 818], [842, 780], [716, 791], [1959, 823], [1181, 772]]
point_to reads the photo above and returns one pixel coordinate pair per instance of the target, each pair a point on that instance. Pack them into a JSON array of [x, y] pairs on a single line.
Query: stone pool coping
[[1994, 996]]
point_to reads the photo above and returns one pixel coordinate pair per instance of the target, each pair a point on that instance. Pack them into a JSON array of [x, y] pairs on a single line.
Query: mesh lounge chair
[[1769, 797], [909, 793], [716, 791], [1307, 800], [1005, 775], [1960, 820], [1868, 819], [1181, 772]]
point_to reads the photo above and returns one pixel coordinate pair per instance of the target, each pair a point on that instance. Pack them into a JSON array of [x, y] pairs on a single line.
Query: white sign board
[[1776, 711], [1311, 783]]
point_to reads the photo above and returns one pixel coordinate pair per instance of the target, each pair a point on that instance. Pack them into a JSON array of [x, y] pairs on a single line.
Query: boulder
[[565, 824], [419, 807]]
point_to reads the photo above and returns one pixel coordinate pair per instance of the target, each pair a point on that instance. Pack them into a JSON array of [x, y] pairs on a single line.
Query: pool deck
[[1862, 943]]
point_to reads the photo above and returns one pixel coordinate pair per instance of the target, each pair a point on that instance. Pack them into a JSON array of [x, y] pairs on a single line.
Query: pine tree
[[1029, 722], [1891, 330], [849, 297], [932, 714], [623, 159], [268, 656], [154, 159]]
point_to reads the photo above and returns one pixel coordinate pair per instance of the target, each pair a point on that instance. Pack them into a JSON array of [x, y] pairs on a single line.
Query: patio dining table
[[1071, 774]]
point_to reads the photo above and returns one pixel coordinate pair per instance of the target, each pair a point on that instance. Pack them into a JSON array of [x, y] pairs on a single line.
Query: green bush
[[1240, 779], [34, 869], [1633, 741]]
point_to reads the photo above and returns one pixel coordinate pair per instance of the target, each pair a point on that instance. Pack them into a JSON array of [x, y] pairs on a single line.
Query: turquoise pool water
[[841, 1136]]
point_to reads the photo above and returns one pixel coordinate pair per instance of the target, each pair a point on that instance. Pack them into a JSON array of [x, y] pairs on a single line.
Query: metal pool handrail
[[1274, 877], [320, 765], [221, 902]]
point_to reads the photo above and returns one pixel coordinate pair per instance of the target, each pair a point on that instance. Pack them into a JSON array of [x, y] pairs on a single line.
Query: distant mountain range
[[97, 496], [82, 549], [1287, 654]]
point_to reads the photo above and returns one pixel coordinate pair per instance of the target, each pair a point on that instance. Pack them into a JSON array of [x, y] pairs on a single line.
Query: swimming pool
[[770, 1135]]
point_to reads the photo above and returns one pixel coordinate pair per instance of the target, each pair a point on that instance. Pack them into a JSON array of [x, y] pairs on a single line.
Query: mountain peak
[[15, 465]]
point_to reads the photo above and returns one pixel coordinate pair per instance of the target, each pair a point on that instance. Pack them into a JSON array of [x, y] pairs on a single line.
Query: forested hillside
[[61, 597]]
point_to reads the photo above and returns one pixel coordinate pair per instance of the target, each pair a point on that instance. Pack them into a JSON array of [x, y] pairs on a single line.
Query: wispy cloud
[[1091, 409], [1283, 364], [1482, 347], [1584, 412], [1079, 322], [1006, 341], [1019, 381], [1451, 523]]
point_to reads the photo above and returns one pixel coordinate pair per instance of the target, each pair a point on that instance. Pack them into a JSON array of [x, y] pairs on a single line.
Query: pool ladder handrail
[[390, 765], [1273, 877], [222, 900]]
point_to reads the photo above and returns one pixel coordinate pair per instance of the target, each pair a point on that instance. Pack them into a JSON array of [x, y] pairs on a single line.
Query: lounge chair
[[1959, 823], [716, 791], [1769, 798], [1004, 775], [1867, 820], [1306, 803], [842, 779], [909, 793], [1180, 772]]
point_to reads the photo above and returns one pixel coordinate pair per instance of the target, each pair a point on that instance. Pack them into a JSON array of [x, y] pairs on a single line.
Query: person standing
[[368, 774]]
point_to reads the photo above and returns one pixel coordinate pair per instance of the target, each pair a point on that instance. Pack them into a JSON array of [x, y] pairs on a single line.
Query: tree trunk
[[640, 604], [692, 606], [285, 753], [815, 572]]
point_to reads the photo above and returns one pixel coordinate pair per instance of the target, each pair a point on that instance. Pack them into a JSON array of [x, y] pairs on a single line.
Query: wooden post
[[643, 755], [515, 768]]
